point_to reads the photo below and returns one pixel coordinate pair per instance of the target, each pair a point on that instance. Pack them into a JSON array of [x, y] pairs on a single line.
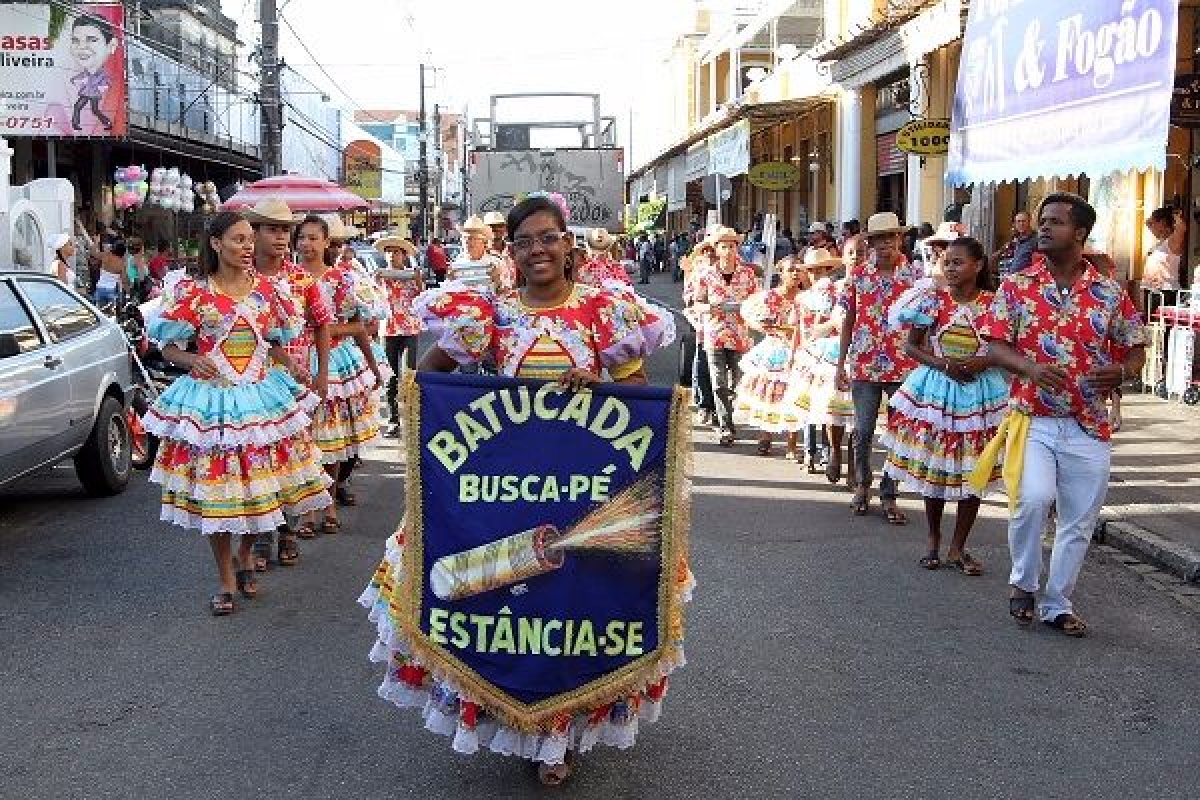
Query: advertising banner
[[64, 70], [544, 531], [729, 150], [1057, 89], [362, 163]]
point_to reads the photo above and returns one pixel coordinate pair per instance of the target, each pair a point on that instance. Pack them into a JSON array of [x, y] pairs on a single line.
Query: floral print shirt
[[402, 320], [311, 309], [1092, 324], [722, 326], [600, 271], [339, 288], [592, 329], [876, 353]]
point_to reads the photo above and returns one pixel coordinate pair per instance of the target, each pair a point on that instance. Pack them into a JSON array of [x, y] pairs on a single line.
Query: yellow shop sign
[[924, 137], [774, 175]]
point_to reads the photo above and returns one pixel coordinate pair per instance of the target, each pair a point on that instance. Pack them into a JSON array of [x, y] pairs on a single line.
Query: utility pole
[[438, 165], [423, 167], [270, 100]]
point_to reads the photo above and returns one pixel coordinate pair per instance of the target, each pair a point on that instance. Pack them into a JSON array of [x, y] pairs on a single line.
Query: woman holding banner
[[551, 329]]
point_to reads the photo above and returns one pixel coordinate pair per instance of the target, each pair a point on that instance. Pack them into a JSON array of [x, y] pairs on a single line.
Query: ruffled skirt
[[766, 374], [938, 429], [450, 712], [236, 459], [813, 391], [349, 416]]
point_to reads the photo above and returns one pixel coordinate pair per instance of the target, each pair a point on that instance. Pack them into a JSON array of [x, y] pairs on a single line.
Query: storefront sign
[[363, 168], [696, 162], [888, 158], [924, 137], [64, 70], [1055, 89], [1185, 102], [774, 176], [545, 534], [729, 150]]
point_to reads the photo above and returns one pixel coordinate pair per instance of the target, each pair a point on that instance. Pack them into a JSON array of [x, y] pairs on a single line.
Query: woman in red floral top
[[872, 361], [402, 282], [719, 292], [1070, 336]]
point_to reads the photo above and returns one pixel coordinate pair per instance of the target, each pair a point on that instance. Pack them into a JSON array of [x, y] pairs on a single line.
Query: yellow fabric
[[625, 370], [1011, 437]]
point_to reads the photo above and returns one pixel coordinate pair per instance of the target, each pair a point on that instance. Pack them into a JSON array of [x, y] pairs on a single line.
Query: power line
[[325, 72]]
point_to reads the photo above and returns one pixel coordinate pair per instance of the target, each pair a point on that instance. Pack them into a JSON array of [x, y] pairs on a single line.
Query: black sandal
[[262, 555], [1068, 625], [221, 604], [306, 531], [859, 505], [331, 525], [1021, 608], [345, 497], [967, 564], [247, 584], [894, 515], [930, 560]]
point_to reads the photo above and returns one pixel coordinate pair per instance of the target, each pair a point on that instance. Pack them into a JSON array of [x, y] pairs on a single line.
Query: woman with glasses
[[549, 328]]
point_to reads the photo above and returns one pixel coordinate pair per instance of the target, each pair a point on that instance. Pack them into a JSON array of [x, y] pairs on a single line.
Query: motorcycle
[[152, 375]]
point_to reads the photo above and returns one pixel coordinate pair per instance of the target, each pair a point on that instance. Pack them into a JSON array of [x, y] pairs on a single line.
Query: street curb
[[1146, 545]]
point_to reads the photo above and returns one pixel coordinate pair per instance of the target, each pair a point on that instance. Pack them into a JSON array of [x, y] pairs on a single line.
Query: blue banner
[[545, 528], [1062, 88]]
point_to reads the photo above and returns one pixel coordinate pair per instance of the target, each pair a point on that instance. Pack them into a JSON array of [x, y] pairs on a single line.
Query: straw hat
[[820, 258], [271, 211], [946, 232], [495, 218], [58, 241], [474, 224], [395, 242], [818, 227], [338, 230], [883, 223], [723, 234], [599, 240]]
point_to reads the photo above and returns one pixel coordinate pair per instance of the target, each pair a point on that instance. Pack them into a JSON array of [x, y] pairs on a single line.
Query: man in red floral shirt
[[872, 361], [719, 293], [402, 282], [1071, 336]]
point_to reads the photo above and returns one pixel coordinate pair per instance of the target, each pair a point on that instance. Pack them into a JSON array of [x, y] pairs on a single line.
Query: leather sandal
[[1068, 625], [221, 604], [288, 554], [247, 584]]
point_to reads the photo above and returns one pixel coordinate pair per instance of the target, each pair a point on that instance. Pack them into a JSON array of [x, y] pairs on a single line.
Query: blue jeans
[[1069, 469], [105, 295], [867, 397]]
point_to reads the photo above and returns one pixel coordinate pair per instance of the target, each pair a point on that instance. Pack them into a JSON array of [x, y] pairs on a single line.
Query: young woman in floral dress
[[551, 328], [234, 457], [344, 421]]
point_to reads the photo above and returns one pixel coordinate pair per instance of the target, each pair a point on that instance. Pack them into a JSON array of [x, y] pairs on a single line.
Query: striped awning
[[300, 192]]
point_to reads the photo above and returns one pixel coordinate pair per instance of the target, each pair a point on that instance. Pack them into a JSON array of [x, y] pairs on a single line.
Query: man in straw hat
[[402, 282], [599, 268], [497, 224], [872, 361], [273, 221], [475, 263], [718, 294]]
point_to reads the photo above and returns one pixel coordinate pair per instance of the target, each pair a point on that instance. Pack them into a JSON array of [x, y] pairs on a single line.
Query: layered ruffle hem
[[813, 388], [767, 373], [450, 712], [348, 418], [938, 429]]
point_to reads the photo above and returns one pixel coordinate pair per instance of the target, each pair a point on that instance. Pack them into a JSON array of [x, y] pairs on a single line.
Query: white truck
[[504, 163]]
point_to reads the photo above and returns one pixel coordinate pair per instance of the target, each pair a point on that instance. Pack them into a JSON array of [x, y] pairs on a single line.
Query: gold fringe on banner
[[405, 595]]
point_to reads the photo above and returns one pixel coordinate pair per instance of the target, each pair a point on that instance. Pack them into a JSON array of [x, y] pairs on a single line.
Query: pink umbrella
[[301, 193]]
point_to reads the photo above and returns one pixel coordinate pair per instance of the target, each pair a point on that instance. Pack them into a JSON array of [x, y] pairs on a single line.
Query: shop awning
[[300, 192], [1059, 89]]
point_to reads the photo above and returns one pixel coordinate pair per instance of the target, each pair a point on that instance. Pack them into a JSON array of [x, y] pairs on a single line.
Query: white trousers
[[1067, 468]]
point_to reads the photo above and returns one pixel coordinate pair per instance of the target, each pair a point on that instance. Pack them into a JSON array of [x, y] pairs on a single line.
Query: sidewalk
[[1153, 506]]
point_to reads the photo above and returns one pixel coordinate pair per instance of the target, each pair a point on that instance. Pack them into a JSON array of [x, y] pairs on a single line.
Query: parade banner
[[1058, 89], [64, 69], [545, 530]]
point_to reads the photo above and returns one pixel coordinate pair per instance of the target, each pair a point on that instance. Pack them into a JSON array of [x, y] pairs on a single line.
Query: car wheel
[[143, 445], [103, 465]]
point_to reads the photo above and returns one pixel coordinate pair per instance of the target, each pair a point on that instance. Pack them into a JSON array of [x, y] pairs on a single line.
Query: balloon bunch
[[172, 190], [209, 199], [131, 187]]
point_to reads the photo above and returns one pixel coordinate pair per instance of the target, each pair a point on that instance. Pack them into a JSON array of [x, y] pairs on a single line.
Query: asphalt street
[[823, 662]]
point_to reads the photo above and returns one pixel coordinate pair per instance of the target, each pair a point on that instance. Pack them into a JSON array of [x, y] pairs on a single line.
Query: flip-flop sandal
[[288, 553], [306, 531], [930, 560], [894, 516], [221, 604], [1068, 625], [1021, 609], [967, 564], [331, 525]]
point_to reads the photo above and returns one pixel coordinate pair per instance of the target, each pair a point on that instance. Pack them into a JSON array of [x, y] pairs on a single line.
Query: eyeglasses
[[546, 240]]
